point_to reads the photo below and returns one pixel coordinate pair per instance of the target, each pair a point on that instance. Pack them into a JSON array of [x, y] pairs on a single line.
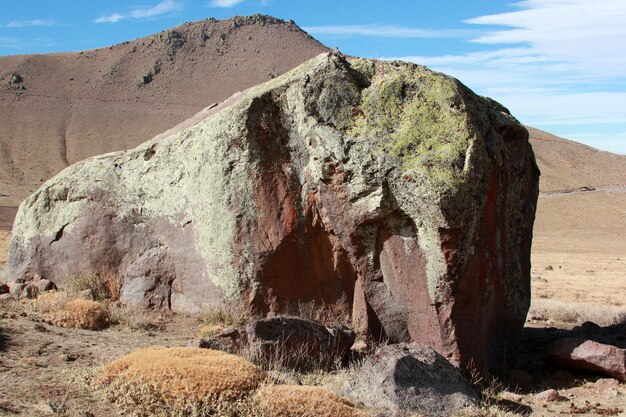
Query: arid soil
[[579, 248], [48, 370]]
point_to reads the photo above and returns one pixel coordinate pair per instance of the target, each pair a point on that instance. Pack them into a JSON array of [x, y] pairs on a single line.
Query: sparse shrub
[[485, 411], [303, 401], [161, 381], [103, 285], [323, 312], [578, 313], [80, 314], [225, 315], [49, 302], [135, 318], [208, 330]]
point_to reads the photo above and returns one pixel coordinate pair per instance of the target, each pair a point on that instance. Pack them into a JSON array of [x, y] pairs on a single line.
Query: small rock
[[590, 327], [4, 288], [44, 285], [605, 384], [6, 297], [549, 268], [360, 346], [301, 343], [230, 340], [16, 288], [548, 395], [40, 327], [30, 291], [511, 396], [70, 357], [16, 78]]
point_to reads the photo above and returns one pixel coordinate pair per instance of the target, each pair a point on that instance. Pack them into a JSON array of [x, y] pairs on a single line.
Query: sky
[[557, 65]]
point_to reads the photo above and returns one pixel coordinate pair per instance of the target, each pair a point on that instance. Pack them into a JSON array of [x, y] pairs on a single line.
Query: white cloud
[[29, 23], [225, 3], [554, 63], [164, 7], [590, 36], [385, 31]]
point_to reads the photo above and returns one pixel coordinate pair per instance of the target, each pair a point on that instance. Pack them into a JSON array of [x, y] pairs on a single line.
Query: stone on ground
[[292, 342], [407, 378], [587, 355]]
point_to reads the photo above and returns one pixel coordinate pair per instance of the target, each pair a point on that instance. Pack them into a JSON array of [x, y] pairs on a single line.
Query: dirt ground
[[579, 255], [47, 370]]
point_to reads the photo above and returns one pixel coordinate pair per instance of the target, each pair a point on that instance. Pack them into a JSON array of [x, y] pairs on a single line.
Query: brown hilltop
[[567, 165], [69, 106]]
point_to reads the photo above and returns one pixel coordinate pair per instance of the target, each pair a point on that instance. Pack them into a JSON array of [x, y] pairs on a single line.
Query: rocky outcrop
[[381, 190], [587, 355], [404, 379]]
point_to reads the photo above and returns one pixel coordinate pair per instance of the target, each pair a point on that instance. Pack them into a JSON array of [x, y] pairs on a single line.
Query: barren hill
[[567, 165], [57, 109]]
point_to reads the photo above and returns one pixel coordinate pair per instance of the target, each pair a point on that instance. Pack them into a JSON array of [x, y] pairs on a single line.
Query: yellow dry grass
[[208, 330], [103, 285], [80, 314], [49, 302], [303, 401], [179, 381], [5, 238]]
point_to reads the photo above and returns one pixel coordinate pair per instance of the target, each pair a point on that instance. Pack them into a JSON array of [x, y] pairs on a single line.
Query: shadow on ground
[[531, 372]]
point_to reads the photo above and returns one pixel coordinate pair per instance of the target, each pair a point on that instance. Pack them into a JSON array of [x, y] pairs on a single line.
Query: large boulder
[[405, 379], [382, 190]]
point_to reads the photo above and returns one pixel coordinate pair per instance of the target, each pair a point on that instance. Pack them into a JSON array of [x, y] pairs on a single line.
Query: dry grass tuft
[[181, 381], [135, 318], [80, 314], [303, 401], [226, 315], [485, 411], [103, 285], [209, 330], [48, 302], [578, 313]]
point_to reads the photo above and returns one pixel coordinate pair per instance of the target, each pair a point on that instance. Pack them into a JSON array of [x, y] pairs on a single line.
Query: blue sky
[[559, 65]]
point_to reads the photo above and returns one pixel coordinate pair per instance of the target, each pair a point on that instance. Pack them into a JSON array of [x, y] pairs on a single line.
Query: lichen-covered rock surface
[[382, 190]]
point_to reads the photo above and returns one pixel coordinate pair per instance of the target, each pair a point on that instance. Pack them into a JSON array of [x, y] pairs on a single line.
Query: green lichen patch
[[417, 116]]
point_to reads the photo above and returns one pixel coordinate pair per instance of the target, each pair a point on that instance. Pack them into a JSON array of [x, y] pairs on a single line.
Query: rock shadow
[[529, 355]]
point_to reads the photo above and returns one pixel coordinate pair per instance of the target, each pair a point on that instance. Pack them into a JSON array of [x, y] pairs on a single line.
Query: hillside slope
[[567, 165], [66, 107]]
